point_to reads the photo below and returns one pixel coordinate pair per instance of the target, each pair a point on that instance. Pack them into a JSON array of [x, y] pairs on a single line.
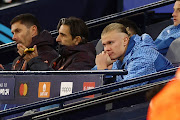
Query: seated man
[[171, 32], [134, 54], [26, 32], [75, 52]]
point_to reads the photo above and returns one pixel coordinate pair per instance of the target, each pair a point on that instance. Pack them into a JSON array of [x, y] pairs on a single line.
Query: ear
[[126, 41], [77, 40], [34, 30]]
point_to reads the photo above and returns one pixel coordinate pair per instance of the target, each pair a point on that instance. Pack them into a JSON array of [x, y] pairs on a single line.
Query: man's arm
[[1, 67], [142, 62], [137, 68], [36, 64]]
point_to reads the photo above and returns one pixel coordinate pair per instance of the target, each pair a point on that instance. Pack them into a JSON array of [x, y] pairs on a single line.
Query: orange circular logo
[[23, 89]]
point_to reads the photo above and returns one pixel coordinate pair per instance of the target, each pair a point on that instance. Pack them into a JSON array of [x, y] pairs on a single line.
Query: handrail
[[75, 95], [94, 22], [7, 45], [74, 72], [132, 11], [16, 4], [88, 102], [92, 102]]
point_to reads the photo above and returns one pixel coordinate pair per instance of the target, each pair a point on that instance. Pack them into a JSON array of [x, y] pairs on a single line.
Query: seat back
[[173, 53], [155, 29], [99, 47]]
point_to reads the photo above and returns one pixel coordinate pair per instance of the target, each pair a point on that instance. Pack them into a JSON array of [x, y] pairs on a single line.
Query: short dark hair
[[27, 19], [129, 23], [77, 27]]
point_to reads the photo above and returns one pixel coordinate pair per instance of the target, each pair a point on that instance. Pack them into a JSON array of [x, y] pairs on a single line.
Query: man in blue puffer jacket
[[170, 33], [137, 54]]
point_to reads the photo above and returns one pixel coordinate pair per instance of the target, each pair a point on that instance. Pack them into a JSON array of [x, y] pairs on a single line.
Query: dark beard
[[61, 49]]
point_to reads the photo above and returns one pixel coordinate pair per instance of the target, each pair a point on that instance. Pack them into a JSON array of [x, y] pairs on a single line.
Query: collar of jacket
[[44, 38], [176, 27], [130, 45], [66, 51]]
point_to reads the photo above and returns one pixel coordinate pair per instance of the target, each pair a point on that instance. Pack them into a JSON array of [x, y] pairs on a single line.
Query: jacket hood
[[69, 50], [44, 38], [137, 41], [144, 40]]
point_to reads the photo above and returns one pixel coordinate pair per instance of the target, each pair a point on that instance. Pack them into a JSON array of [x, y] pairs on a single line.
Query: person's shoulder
[[87, 48], [145, 40], [146, 36], [143, 37], [89, 45], [46, 35], [84, 54], [170, 27], [146, 52]]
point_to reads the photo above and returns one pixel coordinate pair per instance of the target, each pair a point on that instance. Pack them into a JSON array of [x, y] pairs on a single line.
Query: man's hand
[[1, 67], [31, 55], [21, 49], [28, 56], [103, 61]]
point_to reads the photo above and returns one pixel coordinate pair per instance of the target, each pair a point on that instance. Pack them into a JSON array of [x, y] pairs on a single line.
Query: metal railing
[[73, 72], [104, 88]]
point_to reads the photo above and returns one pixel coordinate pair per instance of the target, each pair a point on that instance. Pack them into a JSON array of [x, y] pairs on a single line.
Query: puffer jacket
[[166, 37], [79, 57], [141, 58]]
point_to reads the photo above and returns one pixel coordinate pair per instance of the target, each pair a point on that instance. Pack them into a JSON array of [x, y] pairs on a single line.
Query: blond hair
[[114, 27]]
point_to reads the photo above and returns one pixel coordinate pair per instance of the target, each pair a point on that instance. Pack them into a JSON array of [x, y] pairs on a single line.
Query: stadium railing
[[101, 89]]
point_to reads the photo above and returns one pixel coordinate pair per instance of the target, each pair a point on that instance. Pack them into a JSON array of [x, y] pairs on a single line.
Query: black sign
[[7, 85], [25, 89]]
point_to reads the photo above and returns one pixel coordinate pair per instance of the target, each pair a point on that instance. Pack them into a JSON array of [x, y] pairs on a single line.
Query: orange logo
[[44, 90], [23, 89], [88, 86]]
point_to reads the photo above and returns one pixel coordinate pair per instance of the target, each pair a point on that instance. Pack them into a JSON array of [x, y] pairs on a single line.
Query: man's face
[[176, 13], [21, 34], [64, 37], [115, 44]]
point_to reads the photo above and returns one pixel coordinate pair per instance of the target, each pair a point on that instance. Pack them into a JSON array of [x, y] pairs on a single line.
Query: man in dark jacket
[[26, 33], [75, 52]]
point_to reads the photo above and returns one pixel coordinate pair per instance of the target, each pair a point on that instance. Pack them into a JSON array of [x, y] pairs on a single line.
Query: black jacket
[[80, 57], [45, 43]]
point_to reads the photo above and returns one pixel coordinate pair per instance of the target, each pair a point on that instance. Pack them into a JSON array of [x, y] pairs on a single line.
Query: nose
[[58, 39], [106, 48], [174, 14], [14, 37]]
